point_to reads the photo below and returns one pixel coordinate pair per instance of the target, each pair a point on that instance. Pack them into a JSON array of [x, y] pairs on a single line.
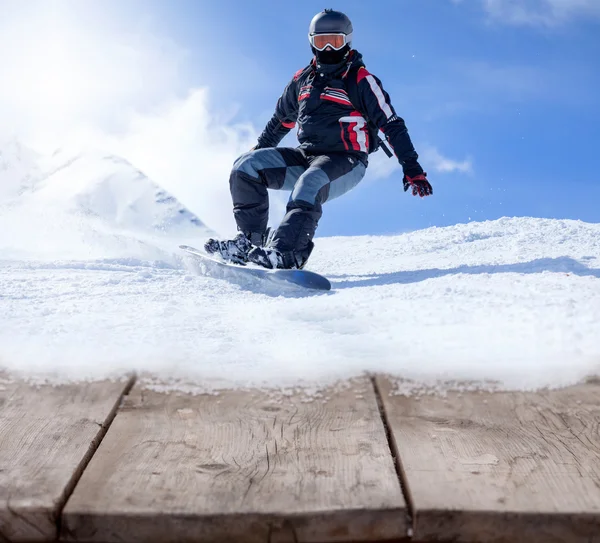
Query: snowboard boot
[[232, 250], [267, 257]]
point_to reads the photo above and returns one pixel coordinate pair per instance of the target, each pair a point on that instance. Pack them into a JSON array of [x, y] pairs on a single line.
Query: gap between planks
[[400, 473], [87, 458], [502, 466], [48, 435]]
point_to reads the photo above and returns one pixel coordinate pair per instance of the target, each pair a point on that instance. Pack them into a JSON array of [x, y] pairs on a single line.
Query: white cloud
[[380, 166], [539, 12], [432, 159], [67, 66]]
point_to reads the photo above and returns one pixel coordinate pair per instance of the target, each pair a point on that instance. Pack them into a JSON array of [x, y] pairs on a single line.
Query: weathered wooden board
[[240, 467], [47, 435], [502, 467]]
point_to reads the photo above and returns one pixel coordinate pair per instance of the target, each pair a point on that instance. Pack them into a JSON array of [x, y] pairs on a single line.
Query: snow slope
[[513, 303], [92, 285]]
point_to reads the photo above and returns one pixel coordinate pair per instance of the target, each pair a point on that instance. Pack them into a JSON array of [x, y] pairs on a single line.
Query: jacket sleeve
[[376, 104], [284, 118]]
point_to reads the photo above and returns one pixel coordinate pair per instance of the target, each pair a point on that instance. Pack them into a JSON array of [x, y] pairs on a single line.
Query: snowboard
[[301, 278]]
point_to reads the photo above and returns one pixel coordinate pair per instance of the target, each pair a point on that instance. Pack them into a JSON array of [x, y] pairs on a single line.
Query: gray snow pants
[[312, 180]]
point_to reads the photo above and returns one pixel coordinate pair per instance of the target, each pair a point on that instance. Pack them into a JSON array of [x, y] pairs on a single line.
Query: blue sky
[[504, 93]]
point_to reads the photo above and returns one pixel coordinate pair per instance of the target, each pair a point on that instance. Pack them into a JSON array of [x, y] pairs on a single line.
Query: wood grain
[[240, 467], [501, 467], [47, 435]]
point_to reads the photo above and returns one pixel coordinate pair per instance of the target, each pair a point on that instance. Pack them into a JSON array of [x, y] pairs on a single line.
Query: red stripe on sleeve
[[288, 125], [362, 73]]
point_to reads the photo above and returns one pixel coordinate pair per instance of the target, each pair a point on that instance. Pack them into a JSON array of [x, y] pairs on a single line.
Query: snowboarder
[[339, 108]]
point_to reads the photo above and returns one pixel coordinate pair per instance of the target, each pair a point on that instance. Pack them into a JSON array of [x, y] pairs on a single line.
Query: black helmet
[[331, 22], [335, 24]]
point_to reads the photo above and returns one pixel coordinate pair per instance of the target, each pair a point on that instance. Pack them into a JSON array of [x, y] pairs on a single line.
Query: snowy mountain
[[73, 204], [93, 184], [19, 169], [110, 188], [512, 303]]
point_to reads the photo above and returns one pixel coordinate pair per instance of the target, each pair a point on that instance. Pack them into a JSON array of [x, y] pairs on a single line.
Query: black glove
[[420, 185]]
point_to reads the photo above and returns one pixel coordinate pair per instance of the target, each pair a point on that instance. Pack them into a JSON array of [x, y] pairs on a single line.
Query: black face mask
[[331, 56]]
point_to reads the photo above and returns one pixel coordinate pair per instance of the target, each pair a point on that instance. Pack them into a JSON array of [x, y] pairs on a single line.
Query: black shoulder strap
[[352, 88]]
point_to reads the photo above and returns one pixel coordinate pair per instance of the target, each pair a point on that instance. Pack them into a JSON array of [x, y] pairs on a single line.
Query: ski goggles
[[335, 41]]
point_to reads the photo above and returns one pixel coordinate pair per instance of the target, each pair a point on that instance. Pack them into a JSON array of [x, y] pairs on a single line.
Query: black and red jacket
[[328, 121]]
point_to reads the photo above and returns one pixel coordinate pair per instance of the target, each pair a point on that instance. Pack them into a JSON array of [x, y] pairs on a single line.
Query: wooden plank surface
[[47, 435], [501, 467], [241, 467]]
